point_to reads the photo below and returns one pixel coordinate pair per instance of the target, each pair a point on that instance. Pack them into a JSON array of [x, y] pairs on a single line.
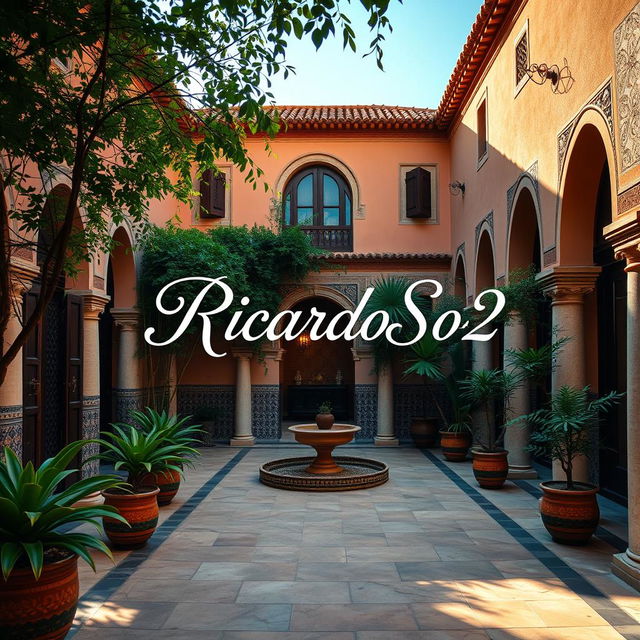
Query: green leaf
[[35, 553], [9, 554]]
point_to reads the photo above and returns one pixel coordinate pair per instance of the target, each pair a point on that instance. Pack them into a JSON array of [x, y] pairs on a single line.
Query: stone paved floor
[[429, 555]]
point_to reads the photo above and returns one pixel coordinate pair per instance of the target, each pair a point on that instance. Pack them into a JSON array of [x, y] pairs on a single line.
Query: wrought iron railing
[[331, 238]]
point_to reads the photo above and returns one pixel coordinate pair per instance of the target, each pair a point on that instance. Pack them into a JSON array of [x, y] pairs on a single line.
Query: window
[[318, 200], [521, 56], [418, 194], [212, 194], [483, 147]]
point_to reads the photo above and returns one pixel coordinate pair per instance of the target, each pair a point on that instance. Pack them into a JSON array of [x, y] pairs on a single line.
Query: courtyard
[[428, 555]]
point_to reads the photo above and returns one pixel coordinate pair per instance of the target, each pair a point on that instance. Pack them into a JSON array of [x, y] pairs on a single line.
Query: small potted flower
[[324, 418], [569, 509], [175, 431], [483, 389], [139, 454], [39, 586]]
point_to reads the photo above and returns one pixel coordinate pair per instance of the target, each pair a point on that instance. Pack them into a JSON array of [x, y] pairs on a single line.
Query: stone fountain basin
[[324, 441]]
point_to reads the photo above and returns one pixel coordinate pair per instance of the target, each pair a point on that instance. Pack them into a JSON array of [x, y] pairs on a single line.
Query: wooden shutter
[[418, 193], [212, 194]]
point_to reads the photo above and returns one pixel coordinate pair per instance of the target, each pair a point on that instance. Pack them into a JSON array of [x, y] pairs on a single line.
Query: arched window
[[318, 200]]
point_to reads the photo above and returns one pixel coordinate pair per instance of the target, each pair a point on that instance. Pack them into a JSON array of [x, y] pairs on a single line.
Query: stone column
[[516, 438], [386, 435], [242, 435], [365, 397], [482, 359], [94, 304], [11, 387], [567, 287], [627, 565], [128, 392]]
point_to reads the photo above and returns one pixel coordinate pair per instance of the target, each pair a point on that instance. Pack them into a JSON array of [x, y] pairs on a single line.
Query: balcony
[[331, 238]]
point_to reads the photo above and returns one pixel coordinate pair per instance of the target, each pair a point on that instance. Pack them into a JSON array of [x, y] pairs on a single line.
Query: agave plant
[[140, 453], [31, 511], [175, 430]]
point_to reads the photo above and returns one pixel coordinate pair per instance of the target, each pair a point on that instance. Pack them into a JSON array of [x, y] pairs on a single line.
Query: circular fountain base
[[292, 474]]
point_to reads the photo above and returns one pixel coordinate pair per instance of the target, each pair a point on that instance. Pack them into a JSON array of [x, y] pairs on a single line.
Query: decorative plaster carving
[[532, 174], [549, 257], [568, 284], [627, 52], [601, 100], [629, 199], [489, 221]]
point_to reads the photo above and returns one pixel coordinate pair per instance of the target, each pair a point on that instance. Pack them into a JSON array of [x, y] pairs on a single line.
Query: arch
[[124, 270], [588, 150], [524, 236], [485, 261], [460, 278], [316, 291], [323, 159]]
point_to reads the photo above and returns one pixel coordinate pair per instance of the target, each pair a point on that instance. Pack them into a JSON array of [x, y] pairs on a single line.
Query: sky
[[419, 57]]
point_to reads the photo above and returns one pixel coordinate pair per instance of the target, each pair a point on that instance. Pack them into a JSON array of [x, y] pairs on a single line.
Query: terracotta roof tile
[[374, 116], [373, 257]]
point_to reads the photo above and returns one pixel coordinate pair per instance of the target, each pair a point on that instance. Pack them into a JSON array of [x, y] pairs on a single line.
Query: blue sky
[[419, 56]]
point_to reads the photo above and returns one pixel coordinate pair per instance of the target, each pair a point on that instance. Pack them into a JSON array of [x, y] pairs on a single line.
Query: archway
[[313, 372], [524, 249], [586, 209], [485, 269], [460, 280], [121, 289]]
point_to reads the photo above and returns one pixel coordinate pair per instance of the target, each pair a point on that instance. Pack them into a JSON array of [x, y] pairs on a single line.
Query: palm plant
[[482, 389], [175, 430], [31, 511], [140, 453], [388, 296], [563, 429]]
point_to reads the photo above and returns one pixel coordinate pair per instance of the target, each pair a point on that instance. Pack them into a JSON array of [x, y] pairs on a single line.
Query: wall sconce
[[561, 79], [456, 188], [304, 341]]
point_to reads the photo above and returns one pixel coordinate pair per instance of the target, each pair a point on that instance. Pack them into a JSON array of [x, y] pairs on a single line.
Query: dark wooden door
[[32, 386], [73, 386]]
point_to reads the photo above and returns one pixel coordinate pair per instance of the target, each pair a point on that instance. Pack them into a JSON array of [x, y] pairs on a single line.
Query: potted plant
[[569, 509], [455, 438], [427, 361], [139, 454], [482, 389], [324, 418], [174, 431], [39, 589]]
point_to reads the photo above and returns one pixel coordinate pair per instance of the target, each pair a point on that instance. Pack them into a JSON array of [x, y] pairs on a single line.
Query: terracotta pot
[[455, 445], [42, 609], [325, 420], [140, 510], [424, 432], [167, 481], [571, 517], [490, 469]]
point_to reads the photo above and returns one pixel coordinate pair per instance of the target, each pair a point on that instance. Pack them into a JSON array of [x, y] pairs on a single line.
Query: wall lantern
[[560, 78], [456, 188], [304, 341]]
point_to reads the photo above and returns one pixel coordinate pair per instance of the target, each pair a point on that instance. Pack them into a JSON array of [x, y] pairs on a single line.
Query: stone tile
[[97, 633], [232, 617], [557, 633], [132, 614], [236, 539], [159, 590], [323, 554], [447, 570], [558, 614], [336, 571], [405, 592], [392, 553], [432, 634], [289, 635], [353, 617], [246, 571], [299, 592]]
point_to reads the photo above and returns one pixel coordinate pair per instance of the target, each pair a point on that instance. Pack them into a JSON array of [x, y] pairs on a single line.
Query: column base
[[522, 473], [386, 441], [242, 441], [627, 569]]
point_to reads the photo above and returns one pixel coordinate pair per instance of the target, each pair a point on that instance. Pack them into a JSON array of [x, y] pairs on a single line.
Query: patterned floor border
[[106, 586], [597, 600]]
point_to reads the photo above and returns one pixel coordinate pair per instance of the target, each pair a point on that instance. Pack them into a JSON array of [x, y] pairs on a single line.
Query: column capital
[[93, 302], [126, 319], [242, 355], [361, 353], [568, 284], [623, 234], [273, 354]]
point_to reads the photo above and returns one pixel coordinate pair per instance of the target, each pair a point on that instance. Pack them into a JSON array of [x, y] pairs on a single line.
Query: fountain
[[324, 472]]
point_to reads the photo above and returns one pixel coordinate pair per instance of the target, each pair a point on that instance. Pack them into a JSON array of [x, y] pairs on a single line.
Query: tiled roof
[[479, 42], [374, 116], [365, 257]]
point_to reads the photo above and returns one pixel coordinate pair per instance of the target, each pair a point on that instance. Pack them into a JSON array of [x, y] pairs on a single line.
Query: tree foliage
[[120, 99]]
